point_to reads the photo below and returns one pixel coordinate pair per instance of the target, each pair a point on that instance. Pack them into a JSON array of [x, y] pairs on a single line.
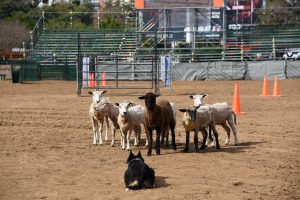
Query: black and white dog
[[138, 174]]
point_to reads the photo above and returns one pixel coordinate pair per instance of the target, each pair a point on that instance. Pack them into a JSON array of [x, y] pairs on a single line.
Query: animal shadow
[[242, 147], [160, 182]]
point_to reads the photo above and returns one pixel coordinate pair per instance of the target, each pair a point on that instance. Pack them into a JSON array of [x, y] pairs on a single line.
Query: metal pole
[[98, 20], [31, 40], [165, 24], [224, 29], [156, 67], [116, 56], [79, 67], [71, 20], [274, 49]]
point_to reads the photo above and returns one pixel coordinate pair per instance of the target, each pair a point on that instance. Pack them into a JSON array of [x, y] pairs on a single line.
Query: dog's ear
[[140, 156], [130, 157], [131, 154]]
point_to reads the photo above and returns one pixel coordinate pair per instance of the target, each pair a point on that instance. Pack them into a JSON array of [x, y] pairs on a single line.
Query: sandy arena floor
[[46, 149]]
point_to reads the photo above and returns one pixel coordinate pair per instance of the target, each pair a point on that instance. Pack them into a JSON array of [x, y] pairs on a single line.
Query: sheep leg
[[107, 128], [147, 139], [147, 136], [113, 136], [95, 131], [196, 140], [231, 124], [173, 137], [227, 129], [210, 139], [150, 132], [165, 135], [128, 140], [157, 145], [217, 144], [162, 139], [123, 135], [100, 125], [137, 136], [204, 134], [187, 141]]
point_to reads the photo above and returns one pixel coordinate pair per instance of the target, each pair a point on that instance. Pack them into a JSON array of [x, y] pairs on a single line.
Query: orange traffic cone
[[276, 90], [91, 80], [265, 87], [236, 101], [103, 79]]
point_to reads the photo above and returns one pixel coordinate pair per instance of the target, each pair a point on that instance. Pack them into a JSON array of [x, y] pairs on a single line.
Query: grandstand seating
[[257, 43]]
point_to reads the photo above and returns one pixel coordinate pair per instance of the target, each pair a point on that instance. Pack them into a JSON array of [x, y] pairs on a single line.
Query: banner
[[165, 73], [85, 70]]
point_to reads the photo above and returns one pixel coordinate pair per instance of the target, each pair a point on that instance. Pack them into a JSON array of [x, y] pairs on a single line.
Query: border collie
[[138, 174]]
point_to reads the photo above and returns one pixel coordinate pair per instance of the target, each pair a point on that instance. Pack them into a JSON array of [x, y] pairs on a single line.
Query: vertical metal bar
[[156, 66], [224, 30], [116, 58], [79, 67], [96, 71], [152, 71], [274, 48], [98, 21]]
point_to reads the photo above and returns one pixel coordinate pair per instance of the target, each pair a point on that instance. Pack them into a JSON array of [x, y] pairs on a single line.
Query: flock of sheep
[[160, 116]]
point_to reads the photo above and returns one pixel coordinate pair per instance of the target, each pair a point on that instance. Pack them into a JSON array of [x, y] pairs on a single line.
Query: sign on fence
[[85, 71], [165, 74]]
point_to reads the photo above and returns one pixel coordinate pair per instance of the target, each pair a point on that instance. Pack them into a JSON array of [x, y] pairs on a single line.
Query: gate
[[116, 72]]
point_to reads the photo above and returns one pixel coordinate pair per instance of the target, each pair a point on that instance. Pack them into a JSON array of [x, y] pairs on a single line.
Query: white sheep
[[198, 119], [223, 113], [130, 119], [112, 112], [98, 118]]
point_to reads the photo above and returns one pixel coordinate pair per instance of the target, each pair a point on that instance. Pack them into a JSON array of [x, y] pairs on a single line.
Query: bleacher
[[261, 42]]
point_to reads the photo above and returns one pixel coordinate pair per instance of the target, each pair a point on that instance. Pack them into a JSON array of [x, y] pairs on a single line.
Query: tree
[[280, 12], [12, 34]]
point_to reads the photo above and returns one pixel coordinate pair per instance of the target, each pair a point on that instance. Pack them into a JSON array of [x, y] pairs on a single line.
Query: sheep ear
[[182, 110], [142, 97], [129, 105], [104, 91], [204, 95], [191, 96], [157, 95], [117, 104], [91, 93]]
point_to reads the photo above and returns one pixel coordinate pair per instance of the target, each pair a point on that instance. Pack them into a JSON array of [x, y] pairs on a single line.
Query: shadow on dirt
[[242, 147], [160, 182]]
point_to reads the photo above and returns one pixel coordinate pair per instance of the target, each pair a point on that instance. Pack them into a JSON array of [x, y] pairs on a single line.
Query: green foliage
[[9, 8], [280, 12]]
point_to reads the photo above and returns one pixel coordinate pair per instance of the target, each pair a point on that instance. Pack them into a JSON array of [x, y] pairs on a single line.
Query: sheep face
[[190, 113], [123, 108], [97, 95], [103, 105], [198, 99], [150, 100]]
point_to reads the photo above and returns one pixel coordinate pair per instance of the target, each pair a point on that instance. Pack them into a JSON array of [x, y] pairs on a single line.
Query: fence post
[[274, 50], [71, 20], [98, 20], [242, 52], [31, 39], [79, 67], [156, 89]]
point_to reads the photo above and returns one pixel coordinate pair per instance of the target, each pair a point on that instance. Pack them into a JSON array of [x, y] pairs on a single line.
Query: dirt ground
[[46, 149]]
